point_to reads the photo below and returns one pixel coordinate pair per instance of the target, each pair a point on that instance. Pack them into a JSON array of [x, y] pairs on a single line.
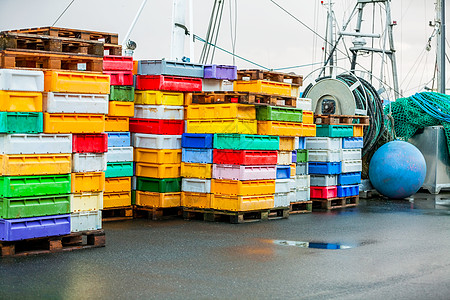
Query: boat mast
[[440, 19]]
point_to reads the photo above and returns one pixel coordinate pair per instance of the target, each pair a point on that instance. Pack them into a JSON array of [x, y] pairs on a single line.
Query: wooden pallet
[[117, 214], [335, 203], [341, 120], [233, 217], [243, 98], [54, 244], [156, 213], [279, 213], [301, 207], [36, 59], [270, 75], [13, 40]]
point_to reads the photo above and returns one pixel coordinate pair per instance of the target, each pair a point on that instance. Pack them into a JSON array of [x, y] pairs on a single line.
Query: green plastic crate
[[25, 207], [133, 197], [157, 185], [21, 122], [334, 130], [119, 169], [28, 186], [246, 142], [302, 155], [273, 113], [121, 93]]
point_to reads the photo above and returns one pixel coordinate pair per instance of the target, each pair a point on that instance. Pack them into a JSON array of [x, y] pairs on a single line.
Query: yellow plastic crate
[[242, 188], [73, 123], [161, 200], [308, 117], [121, 109], [117, 184], [280, 128], [293, 170], [76, 82], [117, 124], [157, 156], [222, 126], [35, 164], [287, 143], [263, 86], [195, 200], [88, 182], [192, 170], [221, 111], [157, 170], [241, 203], [86, 201], [158, 98], [20, 101], [116, 199], [358, 130], [309, 130]]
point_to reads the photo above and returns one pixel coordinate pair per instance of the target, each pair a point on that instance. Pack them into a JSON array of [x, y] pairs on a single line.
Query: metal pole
[[178, 32], [391, 43], [134, 22], [442, 30], [191, 29]]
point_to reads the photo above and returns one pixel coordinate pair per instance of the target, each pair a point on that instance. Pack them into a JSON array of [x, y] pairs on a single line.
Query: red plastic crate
[[323, 192], [168, 83], [154, 126], [120, 77], [244, 157], [90, 143], [117, 63]]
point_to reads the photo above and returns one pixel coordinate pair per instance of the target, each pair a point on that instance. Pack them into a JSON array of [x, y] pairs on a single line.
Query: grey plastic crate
[[171, 68], [301, 169], [323, 180]]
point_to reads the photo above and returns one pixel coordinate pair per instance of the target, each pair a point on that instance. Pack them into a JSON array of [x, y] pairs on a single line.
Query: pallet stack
[[117, 195], [335, 161], [156, 128]]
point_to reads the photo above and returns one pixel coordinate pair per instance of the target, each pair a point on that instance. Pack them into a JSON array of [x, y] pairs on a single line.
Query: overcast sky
[[265, 34]]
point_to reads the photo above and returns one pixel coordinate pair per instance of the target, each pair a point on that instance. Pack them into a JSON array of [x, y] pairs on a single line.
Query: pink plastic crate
[[236, 172], [120, 77], [323, 192], [117, 63]]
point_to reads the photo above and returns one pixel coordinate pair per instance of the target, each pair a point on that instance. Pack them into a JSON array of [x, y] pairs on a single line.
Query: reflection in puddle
[[315, 245]]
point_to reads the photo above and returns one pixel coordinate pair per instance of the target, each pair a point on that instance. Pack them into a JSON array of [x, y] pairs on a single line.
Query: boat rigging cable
[[64, 11]]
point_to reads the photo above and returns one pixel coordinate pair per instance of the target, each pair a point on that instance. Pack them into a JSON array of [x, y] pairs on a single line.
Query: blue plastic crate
[[347, 190], [198, 156], [36, 227], [119, 139], [352, 143], [302, 143], [349, 178], [324, 168], [294, 156], [197, 140], [172, 68], [283, 172]]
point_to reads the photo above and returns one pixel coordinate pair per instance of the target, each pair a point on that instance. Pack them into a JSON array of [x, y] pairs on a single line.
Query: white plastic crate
[[292, 196], [167, 112], [301, 169], [297, 142], [85, 220], [196, 185], [284, 158], [292, 183], [133, 183], [88, 162], [21, 80], [304, 103], [324, 155], [116, 154], [86, 201], [302, 181], [216, 85], [323, 143], [282, 199], [351, 166], [35, 143], [323, 180], [350, 154], [75, 103], [156, 141], [282, 185], [302, 195]]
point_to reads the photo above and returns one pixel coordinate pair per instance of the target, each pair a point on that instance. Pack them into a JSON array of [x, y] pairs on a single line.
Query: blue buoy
[[397, 170]]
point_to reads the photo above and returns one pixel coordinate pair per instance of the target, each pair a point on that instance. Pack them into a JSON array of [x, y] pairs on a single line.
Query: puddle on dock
[[314, 245]]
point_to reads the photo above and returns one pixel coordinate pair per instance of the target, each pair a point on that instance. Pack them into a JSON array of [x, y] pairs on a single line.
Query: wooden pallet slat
[[270, 75], [233, 217], [279, 213], [117, 214], [242, 98], [341, 120], [335, 203], [156, 213], [301, 207]]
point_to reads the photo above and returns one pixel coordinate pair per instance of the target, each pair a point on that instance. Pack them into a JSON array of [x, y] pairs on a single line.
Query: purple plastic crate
[[220, 72], [347, 190], [36, 227], [294, 156], [237, 172]]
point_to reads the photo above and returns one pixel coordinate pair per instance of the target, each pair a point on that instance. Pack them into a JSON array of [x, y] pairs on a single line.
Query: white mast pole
[[178, 29]]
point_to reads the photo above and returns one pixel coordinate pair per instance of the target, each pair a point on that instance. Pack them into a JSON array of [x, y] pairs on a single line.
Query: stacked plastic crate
[[35, 181], [335, 162], [119, 171], [156, 128]]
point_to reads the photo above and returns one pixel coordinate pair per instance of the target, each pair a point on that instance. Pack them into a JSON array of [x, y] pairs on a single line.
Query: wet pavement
[[392, 249]]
